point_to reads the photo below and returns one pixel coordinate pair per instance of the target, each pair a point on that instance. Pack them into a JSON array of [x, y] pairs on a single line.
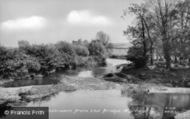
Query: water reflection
[[51, 79], [146, 106], [158, 105], [88, 104], [180, 101], [4, 108]]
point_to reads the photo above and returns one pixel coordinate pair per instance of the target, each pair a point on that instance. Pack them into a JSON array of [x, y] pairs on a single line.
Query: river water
[[106, 104], [87, 104], [111, 104]]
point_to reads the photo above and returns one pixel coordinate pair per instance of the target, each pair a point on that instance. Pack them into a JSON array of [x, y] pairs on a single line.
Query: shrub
[[17, 65], [67, 52], [139, 62], [135, 55], [82, 61], [47, 55], [81, 50], [97, 51]]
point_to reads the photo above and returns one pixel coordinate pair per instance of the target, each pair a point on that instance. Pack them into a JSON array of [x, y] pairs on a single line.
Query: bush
[[67, 52], [81, 50], [17, 65], [97, 51], [139, 62], [47, 55], [82, 61], [135, 55]]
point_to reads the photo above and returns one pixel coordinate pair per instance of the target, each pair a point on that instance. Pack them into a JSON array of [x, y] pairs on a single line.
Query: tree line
[[161, 27], [27, 61]]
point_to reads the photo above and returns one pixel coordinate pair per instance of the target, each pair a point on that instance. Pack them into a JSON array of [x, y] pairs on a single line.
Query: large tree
[[163, 12], [105, 40], [142, 32], [161, 20], [183, 25]]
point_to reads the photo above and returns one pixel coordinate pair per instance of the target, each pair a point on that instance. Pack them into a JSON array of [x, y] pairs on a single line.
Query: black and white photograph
[[94, 59]]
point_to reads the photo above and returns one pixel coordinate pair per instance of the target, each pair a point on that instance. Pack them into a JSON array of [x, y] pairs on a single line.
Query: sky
[[50, 21]]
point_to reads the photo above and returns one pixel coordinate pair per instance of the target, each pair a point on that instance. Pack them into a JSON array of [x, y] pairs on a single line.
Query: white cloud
[[86, 18], [34, 22]]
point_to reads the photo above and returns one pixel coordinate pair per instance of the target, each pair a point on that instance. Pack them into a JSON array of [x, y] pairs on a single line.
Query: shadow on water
[[113, 104], [161, 106], [51, 79], [110, 104], [3, 108], [87, 104]]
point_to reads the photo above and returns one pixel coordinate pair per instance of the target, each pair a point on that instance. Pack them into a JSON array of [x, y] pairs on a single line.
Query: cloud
[[34, 22], [86, 18]]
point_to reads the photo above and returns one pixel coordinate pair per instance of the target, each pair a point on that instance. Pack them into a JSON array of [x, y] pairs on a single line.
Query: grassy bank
[[177, 77]]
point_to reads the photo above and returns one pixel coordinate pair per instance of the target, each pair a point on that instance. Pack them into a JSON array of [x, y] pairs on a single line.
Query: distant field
[[121, 45], [119, 52], [120, 49]]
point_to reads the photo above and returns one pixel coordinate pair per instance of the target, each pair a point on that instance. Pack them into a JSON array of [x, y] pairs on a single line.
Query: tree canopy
[[161, 24]]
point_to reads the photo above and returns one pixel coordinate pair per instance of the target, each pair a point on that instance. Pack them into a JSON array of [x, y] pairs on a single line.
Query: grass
[[179, 77]]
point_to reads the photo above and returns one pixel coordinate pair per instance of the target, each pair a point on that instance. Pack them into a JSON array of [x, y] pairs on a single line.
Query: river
[[104, 104], [111, 104]]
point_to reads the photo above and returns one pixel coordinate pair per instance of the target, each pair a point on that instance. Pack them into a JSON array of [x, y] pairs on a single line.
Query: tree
[[67, 53], [163, 12], [141, 31], [135, 55], [16, 64], [160, 20], [105, 40], [47, 55], [183, 26], [23, 44], [97, 51], [81, 50]]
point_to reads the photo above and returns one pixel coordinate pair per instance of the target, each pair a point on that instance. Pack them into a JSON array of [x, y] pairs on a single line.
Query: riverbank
[[149, 88], [176, 77], [28, 93], [157, 80], [3, 81], [68, 83]]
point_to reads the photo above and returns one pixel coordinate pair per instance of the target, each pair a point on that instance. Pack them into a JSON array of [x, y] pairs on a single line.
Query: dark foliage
[[135, 55]]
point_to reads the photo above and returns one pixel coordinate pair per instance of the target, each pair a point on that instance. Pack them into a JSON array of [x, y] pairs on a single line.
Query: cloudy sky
[[49, 21]]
